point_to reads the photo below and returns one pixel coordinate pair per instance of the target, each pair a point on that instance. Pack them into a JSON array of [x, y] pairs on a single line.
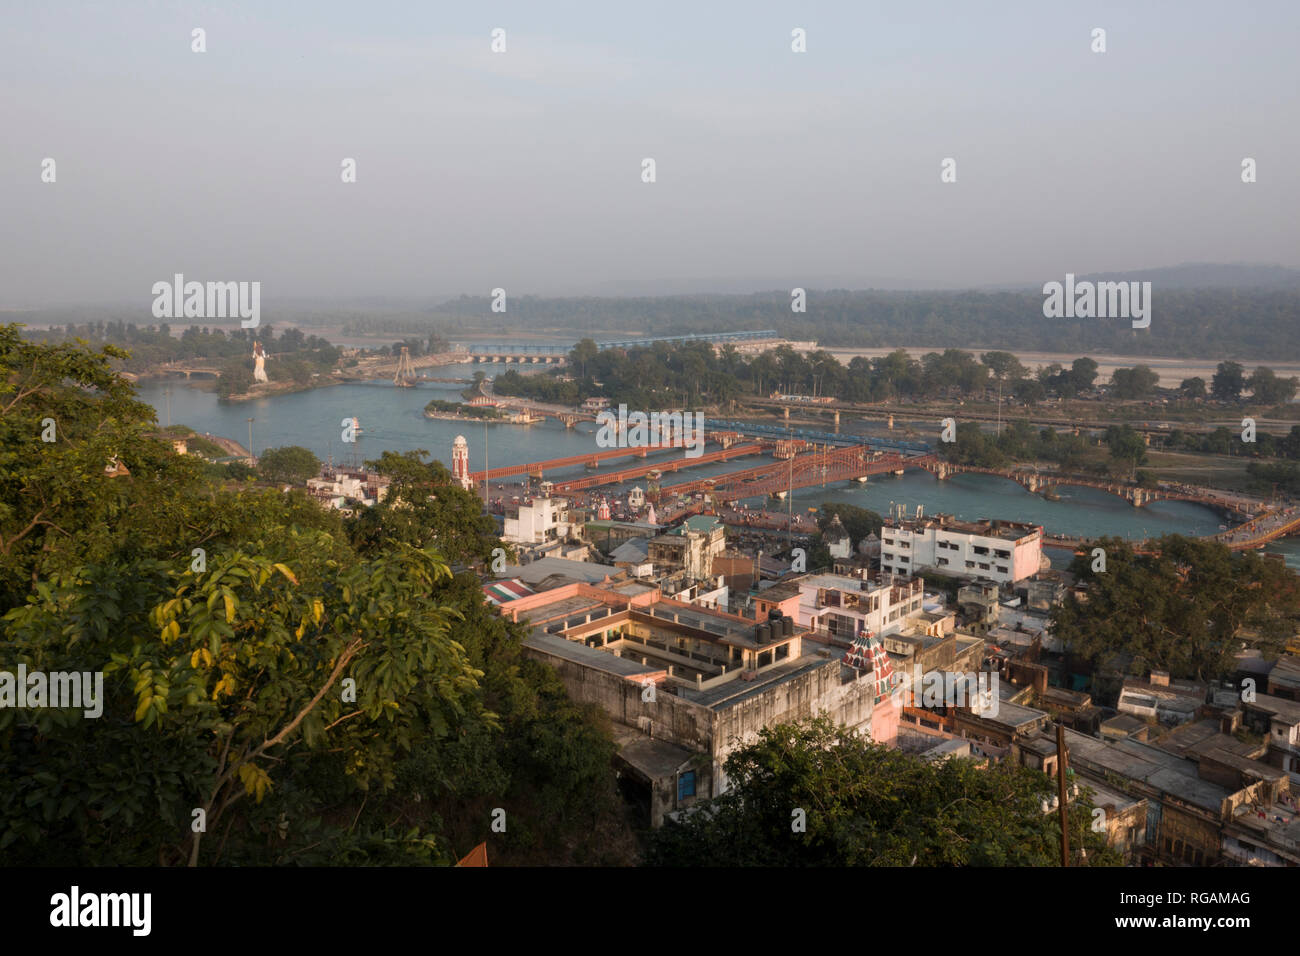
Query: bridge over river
[[803, 465]]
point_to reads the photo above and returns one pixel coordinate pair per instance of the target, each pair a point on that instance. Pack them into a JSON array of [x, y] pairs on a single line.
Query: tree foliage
[[1187, 608], [867, 805], [322, 693], [292, 463]]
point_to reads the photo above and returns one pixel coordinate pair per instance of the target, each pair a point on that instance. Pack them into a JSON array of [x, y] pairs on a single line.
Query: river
[[392, 419]]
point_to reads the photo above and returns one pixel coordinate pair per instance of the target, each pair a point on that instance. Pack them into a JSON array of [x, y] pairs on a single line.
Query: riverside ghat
[[395, 421]]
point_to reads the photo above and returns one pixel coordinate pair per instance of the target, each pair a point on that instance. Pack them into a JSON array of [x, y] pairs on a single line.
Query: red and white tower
[[460, 462], [603, 513]]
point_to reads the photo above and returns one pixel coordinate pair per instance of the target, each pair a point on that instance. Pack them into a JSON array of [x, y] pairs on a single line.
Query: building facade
[[1001, 551]]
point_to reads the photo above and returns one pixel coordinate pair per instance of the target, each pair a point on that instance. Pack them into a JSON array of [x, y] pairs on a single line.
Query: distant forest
[[1221, 322], [1202, 323]]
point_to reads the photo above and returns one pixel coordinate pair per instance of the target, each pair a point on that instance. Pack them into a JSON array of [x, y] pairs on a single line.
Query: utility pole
[[1061, 794], [168, 392], [999, 406], [251, 457], [789, 511]]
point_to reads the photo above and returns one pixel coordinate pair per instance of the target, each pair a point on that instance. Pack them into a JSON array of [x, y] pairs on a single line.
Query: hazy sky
[[523, 169]]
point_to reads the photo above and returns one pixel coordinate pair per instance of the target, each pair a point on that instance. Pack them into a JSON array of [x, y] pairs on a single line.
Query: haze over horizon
[[522, 169]]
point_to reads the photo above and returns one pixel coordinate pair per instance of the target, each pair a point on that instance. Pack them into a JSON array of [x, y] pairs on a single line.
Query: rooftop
[[654, 758], [1121, 725], [699, 523], [734, 692], [591, 657], [538, 571], [1288, 711], [633, 551], [985, 527], [1286, 672], [1201, 736], [1144, 763]]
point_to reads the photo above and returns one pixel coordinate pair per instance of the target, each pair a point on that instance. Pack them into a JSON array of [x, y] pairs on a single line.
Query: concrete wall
[[672, 718], [718, 733], [1027, 557], [813, 693]]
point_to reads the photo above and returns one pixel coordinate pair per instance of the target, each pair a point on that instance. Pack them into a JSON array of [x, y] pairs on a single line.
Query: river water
[[392, 419]]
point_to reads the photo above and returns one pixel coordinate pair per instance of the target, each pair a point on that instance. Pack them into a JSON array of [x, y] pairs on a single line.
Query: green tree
[[858, 522], [868, 805], [226, 622], [292, 463], [1127, 445], [583, 353], [1030, 391], [424, 507], [1136, 382], [1267, 389], [1184, 608], [1228, 381], [1193, 388], [1083, 372], [1004, 366]]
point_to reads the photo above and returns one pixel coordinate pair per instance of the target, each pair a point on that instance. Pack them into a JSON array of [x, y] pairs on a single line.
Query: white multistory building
[[1001, 551], [545, 519], [842, 606]]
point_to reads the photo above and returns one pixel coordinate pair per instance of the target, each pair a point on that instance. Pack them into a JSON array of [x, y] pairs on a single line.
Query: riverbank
[[471, 419], [394, 421], [284, 388]]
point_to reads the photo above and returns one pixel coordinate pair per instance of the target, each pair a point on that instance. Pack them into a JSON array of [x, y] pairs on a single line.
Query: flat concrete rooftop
[[736, 691], [587, 656], [1159, 769]]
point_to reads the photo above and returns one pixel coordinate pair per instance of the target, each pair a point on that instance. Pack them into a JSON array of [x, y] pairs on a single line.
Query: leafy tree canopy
[[868, 805], [292, 463], [320, 692], [1187, 608]]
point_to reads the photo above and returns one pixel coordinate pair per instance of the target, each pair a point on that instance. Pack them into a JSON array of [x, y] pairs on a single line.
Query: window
[[686, 785], [1003, 570], [1003, 554], [943, 562], [970, 564]]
